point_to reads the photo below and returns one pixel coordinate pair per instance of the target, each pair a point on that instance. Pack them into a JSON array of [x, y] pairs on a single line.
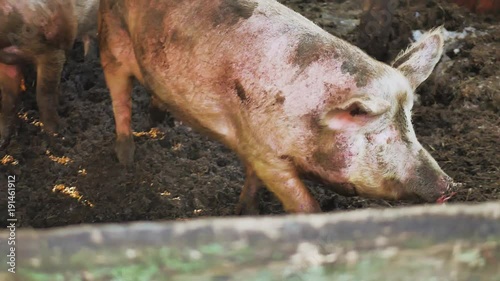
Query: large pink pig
[[39, 32], [288, 97]]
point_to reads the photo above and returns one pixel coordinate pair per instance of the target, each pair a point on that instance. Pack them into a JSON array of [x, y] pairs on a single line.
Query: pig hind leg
[[49, 68], [120, 67], [10, 83], [119, 82]]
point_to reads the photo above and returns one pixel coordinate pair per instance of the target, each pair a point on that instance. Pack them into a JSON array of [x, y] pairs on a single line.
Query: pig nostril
[[450, 184]]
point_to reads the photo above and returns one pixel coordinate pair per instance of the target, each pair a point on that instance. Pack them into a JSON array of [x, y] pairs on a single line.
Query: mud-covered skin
[[289, 98], [39, 32]]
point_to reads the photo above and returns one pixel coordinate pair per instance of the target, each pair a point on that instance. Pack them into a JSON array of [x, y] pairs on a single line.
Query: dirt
[[178, 174]]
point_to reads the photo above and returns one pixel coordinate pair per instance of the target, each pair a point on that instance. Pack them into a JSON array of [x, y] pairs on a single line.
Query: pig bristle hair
[[437, 30]]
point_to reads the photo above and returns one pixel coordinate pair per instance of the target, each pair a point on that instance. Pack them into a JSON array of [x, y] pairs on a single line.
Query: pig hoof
[[125, 149], [246, 209]]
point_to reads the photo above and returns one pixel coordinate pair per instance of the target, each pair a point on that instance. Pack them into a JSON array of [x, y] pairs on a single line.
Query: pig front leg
[[281, 178], [120, 87], [119, 81], [49, 68], [10, 82], [249, 203], [120, 68]]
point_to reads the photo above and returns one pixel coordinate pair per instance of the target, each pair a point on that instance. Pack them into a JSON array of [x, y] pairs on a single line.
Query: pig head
[[289, 98], [367, 142]]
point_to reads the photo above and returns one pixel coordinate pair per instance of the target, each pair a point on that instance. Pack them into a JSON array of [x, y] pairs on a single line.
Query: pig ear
[[418, 61], [353, 113]]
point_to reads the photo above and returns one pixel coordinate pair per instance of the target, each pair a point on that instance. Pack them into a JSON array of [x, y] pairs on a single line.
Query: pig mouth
[[445, 197], [420, 198]]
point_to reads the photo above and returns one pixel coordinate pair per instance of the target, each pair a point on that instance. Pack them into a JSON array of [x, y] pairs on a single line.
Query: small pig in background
[[39, 32], [289, 98]]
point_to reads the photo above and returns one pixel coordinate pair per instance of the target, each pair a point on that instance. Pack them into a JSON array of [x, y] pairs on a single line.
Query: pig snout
[[429, 183], [449, 187], [434, 189]]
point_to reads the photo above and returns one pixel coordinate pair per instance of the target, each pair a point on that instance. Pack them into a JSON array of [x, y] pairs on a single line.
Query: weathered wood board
[[454, 242]]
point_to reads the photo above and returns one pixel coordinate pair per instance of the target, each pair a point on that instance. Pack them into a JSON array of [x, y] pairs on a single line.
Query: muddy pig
[[289, 98], [39, 32]]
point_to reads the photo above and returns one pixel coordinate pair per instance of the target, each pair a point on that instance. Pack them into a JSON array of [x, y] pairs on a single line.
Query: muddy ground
[[179, 174]]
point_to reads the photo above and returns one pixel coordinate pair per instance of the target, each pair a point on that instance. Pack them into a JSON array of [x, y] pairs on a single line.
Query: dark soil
[[75, 177]]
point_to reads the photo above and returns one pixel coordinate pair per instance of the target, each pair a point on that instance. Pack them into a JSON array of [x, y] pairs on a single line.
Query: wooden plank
[[455, 242]]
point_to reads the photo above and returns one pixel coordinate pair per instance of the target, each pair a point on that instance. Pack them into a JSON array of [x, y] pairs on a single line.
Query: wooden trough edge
[[452, 242]]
